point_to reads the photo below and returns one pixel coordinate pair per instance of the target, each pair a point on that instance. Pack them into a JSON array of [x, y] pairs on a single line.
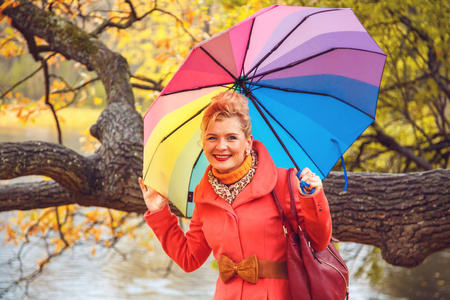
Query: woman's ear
[[250, 142]]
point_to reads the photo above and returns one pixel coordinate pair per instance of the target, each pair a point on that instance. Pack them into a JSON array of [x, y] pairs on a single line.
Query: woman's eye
[[232, 137], [211, 138]]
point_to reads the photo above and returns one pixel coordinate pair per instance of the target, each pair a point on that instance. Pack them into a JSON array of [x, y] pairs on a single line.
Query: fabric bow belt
[[250, 269]]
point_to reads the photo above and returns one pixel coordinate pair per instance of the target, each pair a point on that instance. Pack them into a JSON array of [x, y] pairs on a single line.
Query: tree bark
[[65, 166], [406, 215]]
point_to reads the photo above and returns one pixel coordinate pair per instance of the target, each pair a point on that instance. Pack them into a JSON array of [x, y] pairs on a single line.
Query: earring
[[247, 152]]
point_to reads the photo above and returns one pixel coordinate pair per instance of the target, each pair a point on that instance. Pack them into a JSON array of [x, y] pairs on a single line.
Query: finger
[[307, 178], [304, 172], [313, 177], [142, 185], [316, 183]]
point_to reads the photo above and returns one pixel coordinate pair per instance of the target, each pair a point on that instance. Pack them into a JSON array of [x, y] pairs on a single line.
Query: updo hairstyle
[[227, 105]]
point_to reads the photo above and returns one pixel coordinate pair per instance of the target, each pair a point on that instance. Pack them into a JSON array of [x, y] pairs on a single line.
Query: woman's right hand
[[153, 200]]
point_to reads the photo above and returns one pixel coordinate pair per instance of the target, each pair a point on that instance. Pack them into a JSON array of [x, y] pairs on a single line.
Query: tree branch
[[404, 84], [129, 21], [391, 143], [406, 215], [432, 62], [146, 87], [31, 195], [20, 82], [62, 164], [156, 86], [44, 194], [47, 97], [72, 42]]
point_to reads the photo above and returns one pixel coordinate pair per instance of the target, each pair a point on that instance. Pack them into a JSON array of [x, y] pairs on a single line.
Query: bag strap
[[280, 208], [286, 229], [292, 197]]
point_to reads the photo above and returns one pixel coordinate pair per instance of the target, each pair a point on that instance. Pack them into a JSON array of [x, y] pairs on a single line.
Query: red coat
[[251, 225]]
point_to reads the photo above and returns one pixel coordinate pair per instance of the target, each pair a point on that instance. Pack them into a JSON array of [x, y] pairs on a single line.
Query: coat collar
[[262, 183]]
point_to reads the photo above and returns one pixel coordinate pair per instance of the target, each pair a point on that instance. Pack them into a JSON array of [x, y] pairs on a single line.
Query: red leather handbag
[[315, 275]]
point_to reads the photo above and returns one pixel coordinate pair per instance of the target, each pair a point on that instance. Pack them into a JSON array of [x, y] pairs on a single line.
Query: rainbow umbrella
[[311, 75]]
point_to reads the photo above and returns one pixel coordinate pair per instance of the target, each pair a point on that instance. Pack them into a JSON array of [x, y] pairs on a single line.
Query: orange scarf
[[235, 175]]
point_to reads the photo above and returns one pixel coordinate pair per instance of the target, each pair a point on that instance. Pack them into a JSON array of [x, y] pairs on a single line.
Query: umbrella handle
[[303, 184]]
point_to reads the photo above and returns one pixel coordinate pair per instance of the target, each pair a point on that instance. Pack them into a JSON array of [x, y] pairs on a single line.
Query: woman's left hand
[[312, 179]]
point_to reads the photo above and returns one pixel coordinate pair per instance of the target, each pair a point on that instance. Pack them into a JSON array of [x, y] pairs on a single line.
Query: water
[[142, 275], [77, 274]]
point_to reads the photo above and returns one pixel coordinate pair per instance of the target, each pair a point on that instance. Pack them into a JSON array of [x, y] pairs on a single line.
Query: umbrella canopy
[[311, 75]]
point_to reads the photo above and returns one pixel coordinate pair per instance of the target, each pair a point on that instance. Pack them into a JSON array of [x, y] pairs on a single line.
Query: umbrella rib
[[242, 73], [200, 88], [257, 104], [285, 38], [312, 57], [314, 93], [218, 63], [195, 163], [173, 131], [181, 125]]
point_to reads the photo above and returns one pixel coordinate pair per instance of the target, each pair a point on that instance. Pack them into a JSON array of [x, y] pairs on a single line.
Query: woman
[[235, 216]]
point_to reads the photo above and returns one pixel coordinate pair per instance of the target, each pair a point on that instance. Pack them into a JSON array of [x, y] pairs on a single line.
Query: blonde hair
[[227, 105]]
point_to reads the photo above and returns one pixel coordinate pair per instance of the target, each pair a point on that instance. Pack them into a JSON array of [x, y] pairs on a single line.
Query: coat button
[[320, 209], [319, 204]]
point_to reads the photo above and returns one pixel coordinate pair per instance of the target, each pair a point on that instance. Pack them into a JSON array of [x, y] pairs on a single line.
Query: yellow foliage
[[164, 42], [40, 42], [97, 234], [89, 143], [162, 58], [98, 100], [8, 3], [59, 245], [189, 16], [11, 234], [41, 262], [82, 99], [149, 247], [92, 216], [11, 41]]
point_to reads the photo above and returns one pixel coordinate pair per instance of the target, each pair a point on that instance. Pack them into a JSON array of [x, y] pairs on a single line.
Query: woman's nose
[[222, 144]]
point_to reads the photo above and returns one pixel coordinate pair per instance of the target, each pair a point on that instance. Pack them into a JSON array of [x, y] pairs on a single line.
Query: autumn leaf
[[11, 234], [98, 100], [42, 262]]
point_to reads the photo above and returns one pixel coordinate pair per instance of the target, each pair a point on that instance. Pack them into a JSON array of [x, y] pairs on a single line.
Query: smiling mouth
[[222, 157]]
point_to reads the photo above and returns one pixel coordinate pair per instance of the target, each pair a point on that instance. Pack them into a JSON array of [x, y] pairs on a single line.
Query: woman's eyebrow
[[230, 133]]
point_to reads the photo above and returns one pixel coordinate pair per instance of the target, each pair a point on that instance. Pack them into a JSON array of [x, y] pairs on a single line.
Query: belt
[[250, 269]]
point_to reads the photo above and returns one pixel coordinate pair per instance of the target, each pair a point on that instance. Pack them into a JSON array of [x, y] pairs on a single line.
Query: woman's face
[[225, 144]]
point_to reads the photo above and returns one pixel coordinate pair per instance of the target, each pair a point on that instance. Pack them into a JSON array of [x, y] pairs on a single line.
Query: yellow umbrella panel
[[173, 150]]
